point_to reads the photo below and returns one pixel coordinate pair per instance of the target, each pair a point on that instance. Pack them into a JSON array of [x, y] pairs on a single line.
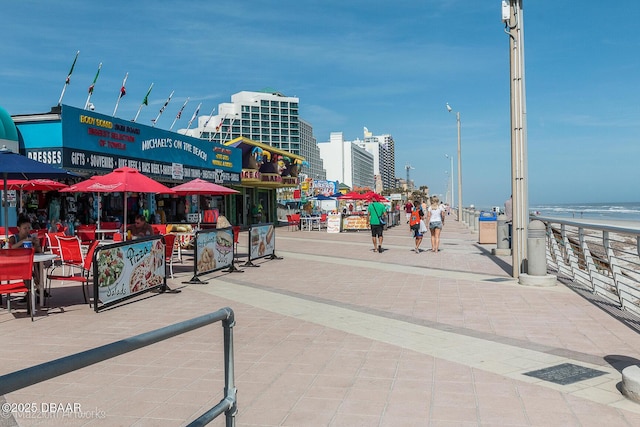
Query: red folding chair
[[169, 247], [16, 275], [79, 272], [293, 222]]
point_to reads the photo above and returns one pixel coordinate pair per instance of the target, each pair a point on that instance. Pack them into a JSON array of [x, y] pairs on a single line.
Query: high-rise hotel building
[[268, 117]]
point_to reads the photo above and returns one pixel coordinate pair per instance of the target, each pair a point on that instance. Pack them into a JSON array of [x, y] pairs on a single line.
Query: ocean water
[[629, 211]]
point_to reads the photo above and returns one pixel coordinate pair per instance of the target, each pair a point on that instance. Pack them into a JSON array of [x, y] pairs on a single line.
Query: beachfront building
[[311, 153], [267, 117], [347, 162], [384, 159]]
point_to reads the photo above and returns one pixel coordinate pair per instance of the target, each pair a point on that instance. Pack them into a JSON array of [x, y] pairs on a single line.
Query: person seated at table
[[140, 228], [24, 238]]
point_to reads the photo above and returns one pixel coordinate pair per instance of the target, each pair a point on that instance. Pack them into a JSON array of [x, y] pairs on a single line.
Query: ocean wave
[[624, 211]]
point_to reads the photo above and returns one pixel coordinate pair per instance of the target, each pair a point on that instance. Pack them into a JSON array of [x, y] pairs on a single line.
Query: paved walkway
[[335, 334]]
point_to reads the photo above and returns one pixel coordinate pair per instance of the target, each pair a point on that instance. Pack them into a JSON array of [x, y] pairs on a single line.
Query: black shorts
[[376, 230]]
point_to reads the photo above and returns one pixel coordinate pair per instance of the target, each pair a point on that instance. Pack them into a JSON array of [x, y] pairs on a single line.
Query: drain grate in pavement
[[564, 374], [498, 279]]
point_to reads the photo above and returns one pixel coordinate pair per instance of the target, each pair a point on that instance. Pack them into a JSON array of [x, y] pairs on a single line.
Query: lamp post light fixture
[[451, 174], [449, 109]]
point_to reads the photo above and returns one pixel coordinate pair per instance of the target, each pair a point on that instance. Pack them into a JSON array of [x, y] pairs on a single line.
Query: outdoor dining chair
[[323, 221], [169, 249], [16, 273], [293, 222], [79, 272]]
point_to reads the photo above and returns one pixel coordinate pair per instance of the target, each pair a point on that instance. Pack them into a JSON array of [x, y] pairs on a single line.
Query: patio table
[[40, 260], [307, 222]]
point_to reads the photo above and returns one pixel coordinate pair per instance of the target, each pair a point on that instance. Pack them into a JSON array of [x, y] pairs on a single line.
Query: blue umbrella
[[322, 197], [17, 166]]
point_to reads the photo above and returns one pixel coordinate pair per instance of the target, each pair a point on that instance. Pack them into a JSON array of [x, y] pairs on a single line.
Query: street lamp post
[[513, 19], [451, 173], [449, 109]]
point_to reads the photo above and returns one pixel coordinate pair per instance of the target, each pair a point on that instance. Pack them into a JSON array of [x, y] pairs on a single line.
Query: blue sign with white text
[[99, 143]]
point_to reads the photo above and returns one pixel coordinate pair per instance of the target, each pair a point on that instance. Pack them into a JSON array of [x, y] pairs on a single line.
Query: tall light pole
[[513, 18], [451, 173], [449, 109]]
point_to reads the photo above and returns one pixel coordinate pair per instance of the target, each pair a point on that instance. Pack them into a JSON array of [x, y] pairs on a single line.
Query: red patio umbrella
[[371, 196], [352, 195], [35, 184], [123, 179], [201, 187]]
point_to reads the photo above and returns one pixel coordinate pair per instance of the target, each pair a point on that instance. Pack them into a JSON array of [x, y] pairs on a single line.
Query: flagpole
[[179, 113], [206, 123], [228, 134], [195, 115], [162, 109], [218, 129], [122, 93], [66, 83], [145, 101], [86, 105]]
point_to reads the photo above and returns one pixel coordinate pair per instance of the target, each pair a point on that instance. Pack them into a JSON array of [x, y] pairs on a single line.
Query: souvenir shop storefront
[[264, 170], [90, 143]]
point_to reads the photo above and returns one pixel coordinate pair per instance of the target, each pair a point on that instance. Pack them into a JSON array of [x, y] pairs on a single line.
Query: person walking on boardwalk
[[435, 219], [414, 224], [377, 214], [408, 207]]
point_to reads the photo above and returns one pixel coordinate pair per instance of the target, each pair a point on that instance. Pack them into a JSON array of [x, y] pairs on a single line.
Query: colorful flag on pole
[[209, 119], [123, 92], [95, 79], [71, 70], [220, 125], [68, 80], [166, 102], [154, 121], [180, 112], [207, 122], [195, 114], [145, 101]]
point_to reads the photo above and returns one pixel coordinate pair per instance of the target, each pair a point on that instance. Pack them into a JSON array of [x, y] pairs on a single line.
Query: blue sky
[[389, 66]]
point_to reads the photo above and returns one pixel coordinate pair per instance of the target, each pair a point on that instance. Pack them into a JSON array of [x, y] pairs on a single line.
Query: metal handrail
[[48, 370], [604, 258]]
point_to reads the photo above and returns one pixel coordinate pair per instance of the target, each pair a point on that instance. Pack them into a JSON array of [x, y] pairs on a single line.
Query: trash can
[[488, 227]]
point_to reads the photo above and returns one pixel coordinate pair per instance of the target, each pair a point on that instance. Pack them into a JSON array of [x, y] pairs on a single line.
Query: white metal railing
[[603, 258]]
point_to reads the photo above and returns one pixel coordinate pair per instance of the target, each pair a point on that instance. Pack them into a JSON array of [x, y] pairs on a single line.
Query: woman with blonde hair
[[435, 219]]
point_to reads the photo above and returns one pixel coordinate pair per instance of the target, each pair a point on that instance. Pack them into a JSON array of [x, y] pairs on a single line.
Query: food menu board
[[333, 223], [128, 268], [355, 222], [214, 250], [262, 241]]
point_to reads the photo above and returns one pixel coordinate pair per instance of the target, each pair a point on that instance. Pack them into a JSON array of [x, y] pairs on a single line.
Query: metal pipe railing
[[48, 370]]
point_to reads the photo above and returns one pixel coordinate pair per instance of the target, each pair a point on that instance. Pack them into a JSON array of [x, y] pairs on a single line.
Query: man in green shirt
[[377, 218]]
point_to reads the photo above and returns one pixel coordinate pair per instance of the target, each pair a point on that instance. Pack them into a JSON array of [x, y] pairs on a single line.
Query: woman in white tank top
[[435, 218]]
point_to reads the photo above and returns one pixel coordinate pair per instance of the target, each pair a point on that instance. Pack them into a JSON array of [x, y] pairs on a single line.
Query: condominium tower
[[268, 117]]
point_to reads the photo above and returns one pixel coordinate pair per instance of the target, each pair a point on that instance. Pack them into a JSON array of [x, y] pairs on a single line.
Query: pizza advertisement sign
[[126, 269]]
